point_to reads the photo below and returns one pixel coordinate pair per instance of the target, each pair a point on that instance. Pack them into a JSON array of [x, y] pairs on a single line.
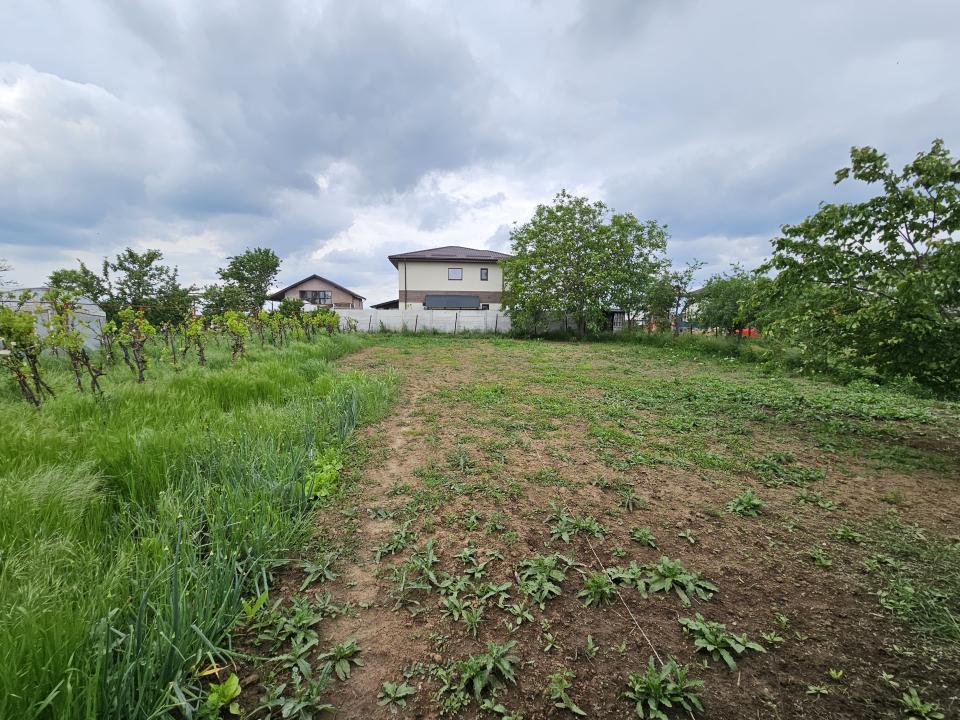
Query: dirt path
[[390, 641]]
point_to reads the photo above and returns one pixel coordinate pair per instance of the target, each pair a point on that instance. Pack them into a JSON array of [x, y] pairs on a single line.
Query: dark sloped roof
[[278, 295], [387, 305], [450, 252]]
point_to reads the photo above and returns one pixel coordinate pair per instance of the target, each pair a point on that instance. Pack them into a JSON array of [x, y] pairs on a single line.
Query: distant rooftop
[[450, 252], [279, 294]]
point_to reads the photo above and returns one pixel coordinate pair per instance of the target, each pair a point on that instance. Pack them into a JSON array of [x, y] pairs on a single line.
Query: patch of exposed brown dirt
[[761, 565]]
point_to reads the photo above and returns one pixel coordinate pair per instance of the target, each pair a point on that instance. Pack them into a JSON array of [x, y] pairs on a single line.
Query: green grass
[[919, 578], [132, 524], [655, 403]]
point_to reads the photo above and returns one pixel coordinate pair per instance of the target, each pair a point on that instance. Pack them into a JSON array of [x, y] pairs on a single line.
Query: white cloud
[[72, 153]]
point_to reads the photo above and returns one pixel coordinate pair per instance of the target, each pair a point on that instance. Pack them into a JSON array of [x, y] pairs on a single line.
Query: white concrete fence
[[444, 321]]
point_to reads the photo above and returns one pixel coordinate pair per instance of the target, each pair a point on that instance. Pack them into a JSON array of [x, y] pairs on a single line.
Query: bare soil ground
[[491, 441]]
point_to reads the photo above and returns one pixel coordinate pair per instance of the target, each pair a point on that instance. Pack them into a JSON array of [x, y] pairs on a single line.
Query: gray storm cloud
[[323, 128]]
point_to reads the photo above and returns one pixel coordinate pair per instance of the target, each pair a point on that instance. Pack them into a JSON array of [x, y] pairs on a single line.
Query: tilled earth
[[490, 441]]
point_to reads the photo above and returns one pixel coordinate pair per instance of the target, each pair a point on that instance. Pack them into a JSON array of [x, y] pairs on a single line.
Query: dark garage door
[[451, 302]]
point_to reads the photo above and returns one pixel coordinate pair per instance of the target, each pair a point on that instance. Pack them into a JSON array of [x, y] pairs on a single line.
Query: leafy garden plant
[[918, 709], [779, 469], [847, 534], [714, 639], [644, 536], [630, 501], [476, 677], [300, 699], [565, 526], [807, 497], [321, 479], [222, 695], [539, 577], [598, 589], [656, 692], [668, 575], [557, 686], [820, 557], [395, 694], [746, 504], [338, 659]]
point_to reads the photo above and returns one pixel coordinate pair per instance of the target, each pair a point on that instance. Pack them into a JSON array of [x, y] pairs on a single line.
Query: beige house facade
[[320, 292], [450, 278]]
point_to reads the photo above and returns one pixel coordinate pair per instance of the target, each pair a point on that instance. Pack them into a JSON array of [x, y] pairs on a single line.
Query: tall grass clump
[[132, 523]]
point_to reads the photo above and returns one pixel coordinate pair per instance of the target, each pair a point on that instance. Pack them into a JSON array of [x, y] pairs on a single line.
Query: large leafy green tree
[[575, 259], [668, 295], [131, 279], [638, 251], [247, 278], [876, 284], [218, 299], [724, 302], [659, 301]]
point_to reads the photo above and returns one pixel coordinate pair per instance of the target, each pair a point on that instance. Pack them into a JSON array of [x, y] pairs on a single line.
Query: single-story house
[[316, 290], [450, 278]]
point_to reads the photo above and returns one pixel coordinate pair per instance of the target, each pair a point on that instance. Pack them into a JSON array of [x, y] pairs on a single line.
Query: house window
[[454, 273], [484, 274], [485, 306], [317, 297]]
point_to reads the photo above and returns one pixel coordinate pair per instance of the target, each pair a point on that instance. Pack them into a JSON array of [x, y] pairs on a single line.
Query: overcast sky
[[338, 133]]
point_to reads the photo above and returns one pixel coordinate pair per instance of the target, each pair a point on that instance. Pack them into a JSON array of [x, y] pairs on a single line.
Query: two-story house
[[450, 278]]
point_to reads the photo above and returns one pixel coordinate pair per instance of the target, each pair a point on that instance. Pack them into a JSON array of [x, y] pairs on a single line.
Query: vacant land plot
[[533, 522]]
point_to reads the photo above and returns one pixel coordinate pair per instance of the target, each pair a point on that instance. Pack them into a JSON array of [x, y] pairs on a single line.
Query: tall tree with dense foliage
[[659, 301], [218, 299], [876, 284], [131, 279], [724, 302], [639, 256], [575, 259], [668, 295], [248, 276]]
